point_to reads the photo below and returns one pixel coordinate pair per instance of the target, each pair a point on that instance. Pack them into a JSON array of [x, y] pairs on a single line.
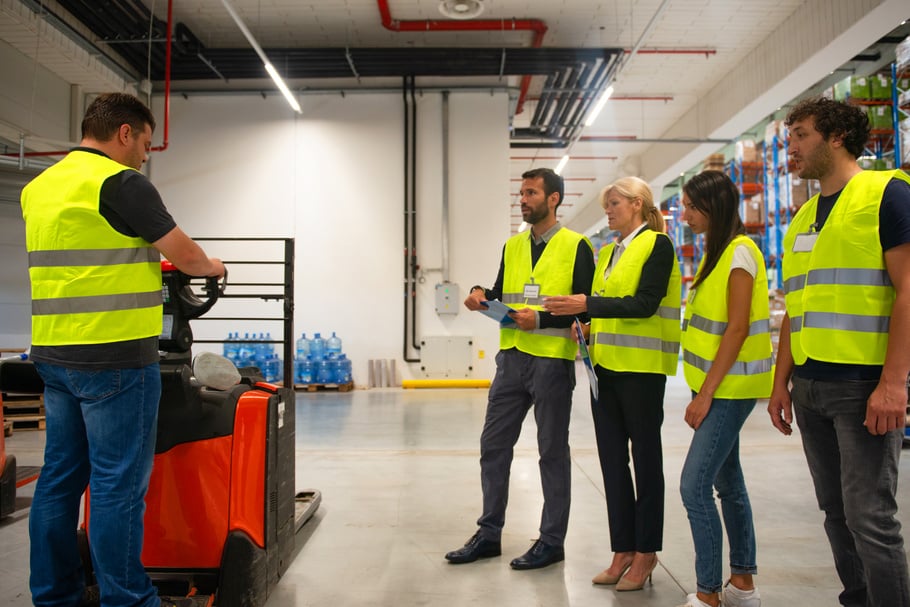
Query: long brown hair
[[633, 187], [716, 197]]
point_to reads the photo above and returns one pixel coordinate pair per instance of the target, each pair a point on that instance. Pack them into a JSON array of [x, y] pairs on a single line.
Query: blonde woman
[[634, 333]]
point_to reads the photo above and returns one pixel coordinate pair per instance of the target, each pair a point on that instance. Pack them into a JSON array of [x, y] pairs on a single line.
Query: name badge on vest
[[804, 242], [532, 291]]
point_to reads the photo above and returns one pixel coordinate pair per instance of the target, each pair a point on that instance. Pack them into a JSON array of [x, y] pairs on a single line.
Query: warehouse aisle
[[399, 476]]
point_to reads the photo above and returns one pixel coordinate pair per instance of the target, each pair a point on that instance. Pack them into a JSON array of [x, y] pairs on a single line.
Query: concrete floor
[[399, 476]]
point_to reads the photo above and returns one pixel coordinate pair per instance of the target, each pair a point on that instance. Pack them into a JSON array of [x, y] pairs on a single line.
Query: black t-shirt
[[132, 206], [893, 231]]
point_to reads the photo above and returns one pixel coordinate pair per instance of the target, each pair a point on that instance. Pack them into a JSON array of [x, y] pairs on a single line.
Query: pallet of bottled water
[[320, 364]]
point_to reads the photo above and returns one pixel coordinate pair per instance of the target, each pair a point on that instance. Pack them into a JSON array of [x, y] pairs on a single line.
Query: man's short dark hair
[[552, 182], [111, 110], [834, 118]]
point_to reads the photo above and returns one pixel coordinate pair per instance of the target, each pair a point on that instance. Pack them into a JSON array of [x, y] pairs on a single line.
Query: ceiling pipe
[[476, 25], [672, 51], [167, 98], [167, 79]]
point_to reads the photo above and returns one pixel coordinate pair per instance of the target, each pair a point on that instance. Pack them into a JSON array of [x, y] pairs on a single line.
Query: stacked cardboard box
[[755, 210], [799, 192], [714, 162]]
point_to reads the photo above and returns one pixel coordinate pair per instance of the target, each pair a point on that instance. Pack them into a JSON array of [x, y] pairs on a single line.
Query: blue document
[[498, 311], [586, 358]]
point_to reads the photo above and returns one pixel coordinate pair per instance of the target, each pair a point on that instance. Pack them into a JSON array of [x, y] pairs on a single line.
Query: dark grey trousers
[[523, 380], [855, 475]]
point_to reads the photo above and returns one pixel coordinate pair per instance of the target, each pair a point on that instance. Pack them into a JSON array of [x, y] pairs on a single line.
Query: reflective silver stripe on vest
[[564, 333], [739, 367], [519, 298], [668, 312], [92, 257], [637, 341], [796, 323], [846, 322], [96, 303], [849, 276], [794, 283], [715, 327]]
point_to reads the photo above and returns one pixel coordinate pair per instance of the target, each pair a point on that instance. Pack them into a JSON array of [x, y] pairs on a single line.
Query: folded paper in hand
[[586, 358], [498, 311]]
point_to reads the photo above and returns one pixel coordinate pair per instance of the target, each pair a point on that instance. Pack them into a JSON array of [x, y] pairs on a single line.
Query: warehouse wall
[[332, 178]]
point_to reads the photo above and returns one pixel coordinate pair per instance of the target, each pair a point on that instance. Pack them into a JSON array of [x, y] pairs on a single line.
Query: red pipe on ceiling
[[474, 25], [167, 78], [167, 96]]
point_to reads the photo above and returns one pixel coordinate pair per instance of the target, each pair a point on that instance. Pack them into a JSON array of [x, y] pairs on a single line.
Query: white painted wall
[[332, 178]]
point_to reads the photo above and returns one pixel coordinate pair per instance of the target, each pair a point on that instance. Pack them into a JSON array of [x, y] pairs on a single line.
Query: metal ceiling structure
[[688, 75], [574, 76]]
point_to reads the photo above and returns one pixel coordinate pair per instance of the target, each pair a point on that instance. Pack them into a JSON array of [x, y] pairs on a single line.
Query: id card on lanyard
[[531, 290], [805, 241]]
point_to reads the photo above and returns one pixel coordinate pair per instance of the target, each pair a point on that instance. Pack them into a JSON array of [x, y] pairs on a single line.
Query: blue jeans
[[855, 477], [101, 428], [713, 461]]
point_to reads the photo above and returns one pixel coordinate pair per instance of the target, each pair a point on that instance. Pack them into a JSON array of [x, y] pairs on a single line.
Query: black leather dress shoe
[[540, 555], [476, 548]]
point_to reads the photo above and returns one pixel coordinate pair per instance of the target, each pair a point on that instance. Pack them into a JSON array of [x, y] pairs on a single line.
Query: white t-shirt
[[742, 258]]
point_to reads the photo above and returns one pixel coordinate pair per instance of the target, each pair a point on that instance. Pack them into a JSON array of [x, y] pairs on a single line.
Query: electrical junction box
[[447, 298], [446, 357]]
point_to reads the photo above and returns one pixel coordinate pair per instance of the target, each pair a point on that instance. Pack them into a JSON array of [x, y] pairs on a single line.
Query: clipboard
[[586, 357], [498, 311]]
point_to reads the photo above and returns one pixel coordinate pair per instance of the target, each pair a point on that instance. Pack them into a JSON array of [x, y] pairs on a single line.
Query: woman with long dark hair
[[727, 362]]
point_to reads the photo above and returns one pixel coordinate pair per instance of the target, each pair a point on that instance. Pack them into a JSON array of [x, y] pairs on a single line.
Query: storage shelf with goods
[[688, 246], [900, 92], [877, 94]]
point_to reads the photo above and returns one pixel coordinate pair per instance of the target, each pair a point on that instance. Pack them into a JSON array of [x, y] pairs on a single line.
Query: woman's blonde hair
[[631, 188]]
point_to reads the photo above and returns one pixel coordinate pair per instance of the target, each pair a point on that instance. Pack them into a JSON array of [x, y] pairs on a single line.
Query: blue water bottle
[[306, 372], [317, 348], [333, 346], [344, 370]]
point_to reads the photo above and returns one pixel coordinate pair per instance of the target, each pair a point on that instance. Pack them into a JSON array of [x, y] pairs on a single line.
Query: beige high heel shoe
[[605, 578], [626, 584]]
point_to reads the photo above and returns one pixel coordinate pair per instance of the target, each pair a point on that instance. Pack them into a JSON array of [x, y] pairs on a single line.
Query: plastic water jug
[[317, 348], [343, 375], [324, 372], [303, 347], [303, 371], [333, 346]]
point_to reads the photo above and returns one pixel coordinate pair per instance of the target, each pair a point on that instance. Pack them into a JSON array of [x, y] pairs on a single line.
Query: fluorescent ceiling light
[[279, 82], [599, 106], [562, 164]]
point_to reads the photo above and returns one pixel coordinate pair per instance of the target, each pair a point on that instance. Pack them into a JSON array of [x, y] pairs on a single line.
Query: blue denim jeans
[[713, 461], [101, 428], [855, 477]]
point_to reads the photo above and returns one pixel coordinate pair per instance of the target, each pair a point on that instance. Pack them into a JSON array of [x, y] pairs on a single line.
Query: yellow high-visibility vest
[[553, 273], [90, 284], [644, 345], [839, 295], [705, 322]]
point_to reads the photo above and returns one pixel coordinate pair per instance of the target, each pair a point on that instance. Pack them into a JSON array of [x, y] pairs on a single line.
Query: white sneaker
[[734, 597], [692, 600]]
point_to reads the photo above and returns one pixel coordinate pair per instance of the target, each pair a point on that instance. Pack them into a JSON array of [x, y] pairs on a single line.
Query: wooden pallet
[[7, 428], [27, 422], [23, 408], [317, 387]]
